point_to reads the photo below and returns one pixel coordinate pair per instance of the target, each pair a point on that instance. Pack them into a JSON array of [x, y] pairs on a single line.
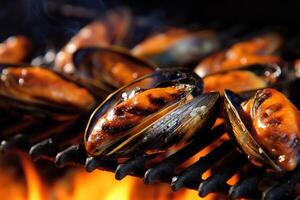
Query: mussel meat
[[259, 50], [114, 65], [151, 114], [266, 127], [177, 47], [15, 49], [248, 78], [40, 89], [104, 69]]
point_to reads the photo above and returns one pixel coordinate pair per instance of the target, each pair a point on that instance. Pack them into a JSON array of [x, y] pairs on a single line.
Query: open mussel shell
[[42, 92], [169, 120], [240, 129], [186, 51], [106, 68], [185, 123]]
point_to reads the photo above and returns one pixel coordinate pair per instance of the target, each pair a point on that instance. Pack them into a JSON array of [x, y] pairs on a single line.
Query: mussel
[[104, 69], [95, 34], [92, 58], [266, 127], [177, 47], [150, 115], [42, 91], [258, 50], [15, 49], [113, 28], [248, 78]]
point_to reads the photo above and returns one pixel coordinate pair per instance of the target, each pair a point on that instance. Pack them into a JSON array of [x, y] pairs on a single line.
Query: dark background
[[45, 22]]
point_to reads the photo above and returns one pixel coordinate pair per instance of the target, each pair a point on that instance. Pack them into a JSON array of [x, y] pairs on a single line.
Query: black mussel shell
[[188, 50], [89, 67], [161, 78], [184, 124]]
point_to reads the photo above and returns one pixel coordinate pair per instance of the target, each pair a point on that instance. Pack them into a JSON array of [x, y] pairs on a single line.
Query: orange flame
[[80, 185], [35, 188], [77, 184], [11, 187]]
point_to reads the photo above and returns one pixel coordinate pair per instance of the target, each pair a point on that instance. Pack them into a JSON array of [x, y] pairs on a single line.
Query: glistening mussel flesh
[[108, 68], [258, 50], [248, 78], [177, 47], [40, 91], [266, 127], [150, 115]]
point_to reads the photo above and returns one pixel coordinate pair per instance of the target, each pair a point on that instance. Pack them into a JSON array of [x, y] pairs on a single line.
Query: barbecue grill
[[62, 143]]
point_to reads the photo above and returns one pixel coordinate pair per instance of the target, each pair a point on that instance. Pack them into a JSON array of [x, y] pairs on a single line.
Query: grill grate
[[225, 161]]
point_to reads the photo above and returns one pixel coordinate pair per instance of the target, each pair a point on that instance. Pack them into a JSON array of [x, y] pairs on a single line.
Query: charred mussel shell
[[186, 50], [168, 129], [240, 130], [92, 68], [12, 97]]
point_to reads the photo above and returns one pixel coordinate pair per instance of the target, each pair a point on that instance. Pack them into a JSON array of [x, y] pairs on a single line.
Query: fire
[[10, 186], [102, 185], [35, 188], [77, 184]]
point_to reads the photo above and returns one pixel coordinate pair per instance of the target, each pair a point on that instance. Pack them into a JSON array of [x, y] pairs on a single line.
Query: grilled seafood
[[30, 87], [258, 50], [248, 78], [155, 112], [63, 60], [106, 67], [130, 113], [112, 29], [177, 47], [90, 58], [236, 81], [15, 49], [266, 127]]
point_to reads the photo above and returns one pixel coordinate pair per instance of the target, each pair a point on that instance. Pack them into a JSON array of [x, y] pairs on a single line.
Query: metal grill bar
[[224, 161], [217, 181], [283, 190], [166, 168], [135, 166], [191, 176], [246, 187]]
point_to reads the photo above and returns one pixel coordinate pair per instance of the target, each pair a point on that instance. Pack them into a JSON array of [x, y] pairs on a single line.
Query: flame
[[11, 187], [35, 188], [102, 185], [77, 184]]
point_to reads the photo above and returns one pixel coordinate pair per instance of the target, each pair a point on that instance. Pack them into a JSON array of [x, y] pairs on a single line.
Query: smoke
[[44, 21]]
